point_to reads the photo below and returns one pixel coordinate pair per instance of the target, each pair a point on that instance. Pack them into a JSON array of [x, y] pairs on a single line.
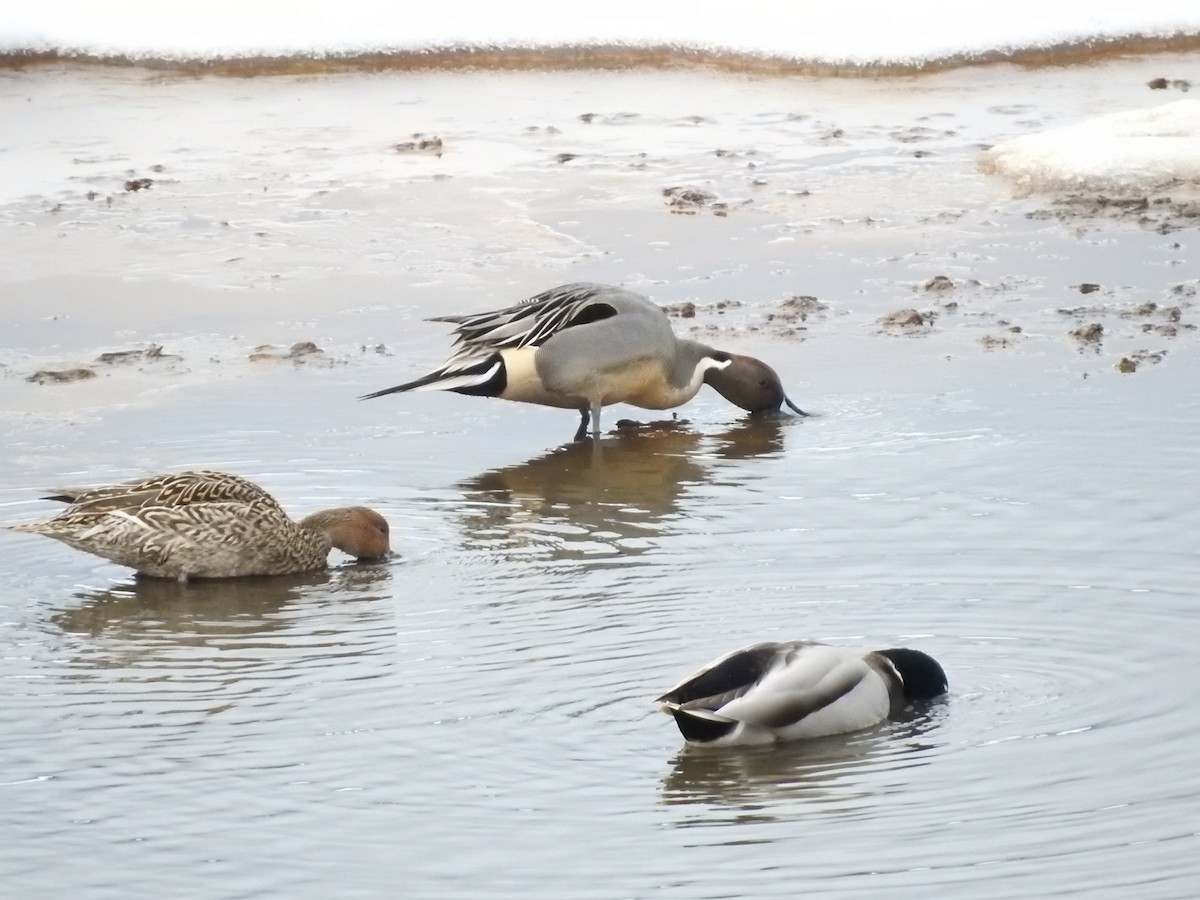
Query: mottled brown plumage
[[206, 524]]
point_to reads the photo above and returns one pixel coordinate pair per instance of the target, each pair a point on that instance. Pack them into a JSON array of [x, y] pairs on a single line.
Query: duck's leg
[[581, 433]]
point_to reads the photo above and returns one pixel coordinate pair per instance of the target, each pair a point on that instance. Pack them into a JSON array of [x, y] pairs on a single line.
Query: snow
[[1137, 150], [867, 31]]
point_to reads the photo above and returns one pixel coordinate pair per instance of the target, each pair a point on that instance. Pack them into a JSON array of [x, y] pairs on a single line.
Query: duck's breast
[[524, 382]]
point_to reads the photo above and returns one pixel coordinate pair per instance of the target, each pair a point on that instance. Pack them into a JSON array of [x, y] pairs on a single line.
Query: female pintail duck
[[206, 525], [798, 689], [585, 346]]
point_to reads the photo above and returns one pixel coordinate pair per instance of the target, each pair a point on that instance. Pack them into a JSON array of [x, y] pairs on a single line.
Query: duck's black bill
[[794, 408]]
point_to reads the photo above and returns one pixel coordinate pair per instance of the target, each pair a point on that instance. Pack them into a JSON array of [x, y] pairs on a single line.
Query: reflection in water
[[232, 606], [756, 780], [174, 655], [586, 498], [754, 436]]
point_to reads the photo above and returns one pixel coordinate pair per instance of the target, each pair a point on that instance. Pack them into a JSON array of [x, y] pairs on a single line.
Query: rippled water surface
[[473, 718]]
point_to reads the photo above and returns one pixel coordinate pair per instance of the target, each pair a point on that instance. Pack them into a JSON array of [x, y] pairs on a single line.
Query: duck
[[793, 690], [206, 524], [585, 346]]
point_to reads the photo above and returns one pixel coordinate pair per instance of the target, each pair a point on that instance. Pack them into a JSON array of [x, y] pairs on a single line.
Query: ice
[[1133, 151]]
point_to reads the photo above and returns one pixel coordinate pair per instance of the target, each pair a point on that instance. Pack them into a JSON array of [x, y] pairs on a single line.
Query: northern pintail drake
[[206, 524], [798, 689], [586, 346]]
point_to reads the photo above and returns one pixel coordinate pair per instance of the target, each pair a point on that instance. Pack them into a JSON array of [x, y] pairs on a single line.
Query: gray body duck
[[585, 346]]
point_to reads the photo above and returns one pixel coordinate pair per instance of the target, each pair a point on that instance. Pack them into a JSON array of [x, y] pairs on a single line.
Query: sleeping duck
[[798, 689]]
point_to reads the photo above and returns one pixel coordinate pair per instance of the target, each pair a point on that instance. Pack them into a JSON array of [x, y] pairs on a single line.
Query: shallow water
[[473, 718]]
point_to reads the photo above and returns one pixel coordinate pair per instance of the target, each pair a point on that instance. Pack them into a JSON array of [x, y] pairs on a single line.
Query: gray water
[[473, 718]]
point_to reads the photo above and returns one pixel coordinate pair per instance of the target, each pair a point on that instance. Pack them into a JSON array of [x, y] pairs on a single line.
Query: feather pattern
[[205, 524], [797, 689], [584, 346], [528, 324]]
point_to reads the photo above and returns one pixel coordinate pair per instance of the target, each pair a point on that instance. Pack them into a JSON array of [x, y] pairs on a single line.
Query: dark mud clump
[[1129, 364], [1163, 215], [996, 342], [907, 320], [60, 376], [938, 284], [798, 308], [1092, 333], [1173, 316], [688, 309], [429, 144], [1087, 287], [153, 353], [1142, 310], [791, 317], [685, 310], [134, 185], [299, 353], [565, 157], [1162, 84], [1088, 334], [687, 201], [610, 119]]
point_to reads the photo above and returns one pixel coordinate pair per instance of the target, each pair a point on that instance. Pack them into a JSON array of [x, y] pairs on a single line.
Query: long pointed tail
[[485, 378]]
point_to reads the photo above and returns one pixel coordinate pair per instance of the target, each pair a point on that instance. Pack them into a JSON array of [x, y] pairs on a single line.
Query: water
[[473, 718]]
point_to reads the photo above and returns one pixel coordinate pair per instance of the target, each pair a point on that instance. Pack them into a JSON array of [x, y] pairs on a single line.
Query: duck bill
[[793, 407]]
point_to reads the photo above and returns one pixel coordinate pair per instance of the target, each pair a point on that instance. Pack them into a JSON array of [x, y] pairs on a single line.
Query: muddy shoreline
[[614, 57]]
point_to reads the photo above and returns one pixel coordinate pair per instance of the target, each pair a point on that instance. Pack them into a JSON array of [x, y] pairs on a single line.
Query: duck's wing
[[163, 539], [172, 490], [473, 362], [532, 322], [808, 679], [726, 678]]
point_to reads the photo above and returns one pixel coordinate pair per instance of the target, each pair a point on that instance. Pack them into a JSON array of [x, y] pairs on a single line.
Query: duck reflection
[[759, 781], [607, 496], [753, 436], [197, 611]]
